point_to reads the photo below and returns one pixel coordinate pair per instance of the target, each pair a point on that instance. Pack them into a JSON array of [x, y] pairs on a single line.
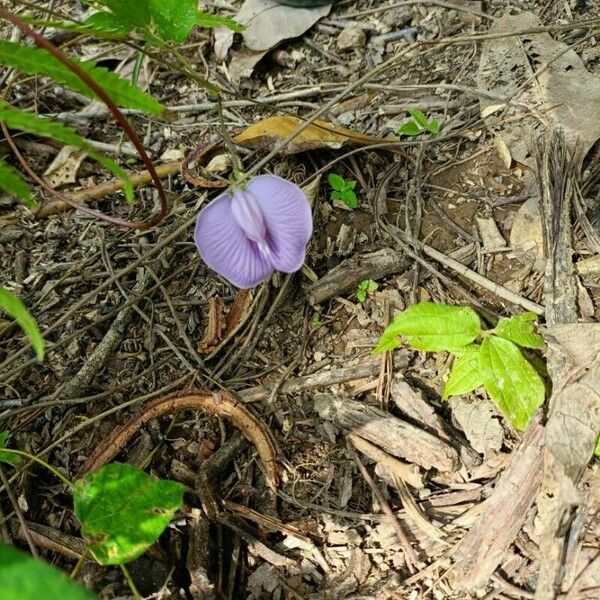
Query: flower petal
[[288, 218], [225, 247]]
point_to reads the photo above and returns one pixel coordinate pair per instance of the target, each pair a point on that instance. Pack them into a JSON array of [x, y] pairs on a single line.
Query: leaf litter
[[281, 353]]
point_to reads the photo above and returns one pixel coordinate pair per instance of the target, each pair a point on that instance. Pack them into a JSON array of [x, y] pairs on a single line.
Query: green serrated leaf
[[37, 61], [520, 329], [372, 286], [7, 457], [103, 25], [512, 383], [361, 294], [433, 127], [409, 128], [466, 374], [432, 327], [173, 19], [26, 121], [15, 309], [26, 578], [419, 117], [12, 183], [336, 182], [130, 14], [208, 20], [123, 511]]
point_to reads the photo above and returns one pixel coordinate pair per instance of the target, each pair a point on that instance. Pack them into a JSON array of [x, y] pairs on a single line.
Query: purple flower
[[245, 235]]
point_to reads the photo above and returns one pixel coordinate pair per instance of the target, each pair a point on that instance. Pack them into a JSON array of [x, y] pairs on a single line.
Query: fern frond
[[36, 61], [26, 121], [12, 183]]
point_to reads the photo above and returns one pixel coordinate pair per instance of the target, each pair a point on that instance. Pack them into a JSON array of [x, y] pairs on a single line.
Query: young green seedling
[[343, 190], [489, 358], [418, 124], [364, 288]]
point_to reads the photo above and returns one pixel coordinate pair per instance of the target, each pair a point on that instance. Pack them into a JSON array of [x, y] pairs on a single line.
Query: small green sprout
[[417, 124], [365, 287], [317, 321], [343, 190], [488, 358]]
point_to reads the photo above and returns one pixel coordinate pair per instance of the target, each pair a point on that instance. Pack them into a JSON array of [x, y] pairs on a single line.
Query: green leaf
[[208, 20], [15, 309], [103, 25], [466, 374], [26, 121], [26, 578], [512, 383], [12, 183], [372, 286], [419, 117], [174, 19], [130, 14], [124, 511], [432, 327], [409, 128], [336, 182], [597, 449], [349, 184], [37, 61], [433, 127], [520, 329], [365, 287], [7, 457], [349, 198]]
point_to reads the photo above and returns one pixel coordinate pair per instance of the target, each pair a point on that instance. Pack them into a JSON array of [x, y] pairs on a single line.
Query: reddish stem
[[117, 114]]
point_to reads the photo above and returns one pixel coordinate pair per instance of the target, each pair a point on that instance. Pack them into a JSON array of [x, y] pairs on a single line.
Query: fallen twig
[[220, 404]]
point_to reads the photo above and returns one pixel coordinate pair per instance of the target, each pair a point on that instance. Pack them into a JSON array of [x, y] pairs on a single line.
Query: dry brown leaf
[[479, 421], [320, 134], [490, 234], [267, 24], [526, 235], [63, 169], [571, 434], [556, 88]]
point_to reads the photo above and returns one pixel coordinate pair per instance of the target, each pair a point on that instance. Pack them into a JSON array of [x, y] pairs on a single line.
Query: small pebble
[[351, 38]]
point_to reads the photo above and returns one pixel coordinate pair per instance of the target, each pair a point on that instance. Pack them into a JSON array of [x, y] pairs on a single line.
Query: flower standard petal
[[225, 247], [288, 219]]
